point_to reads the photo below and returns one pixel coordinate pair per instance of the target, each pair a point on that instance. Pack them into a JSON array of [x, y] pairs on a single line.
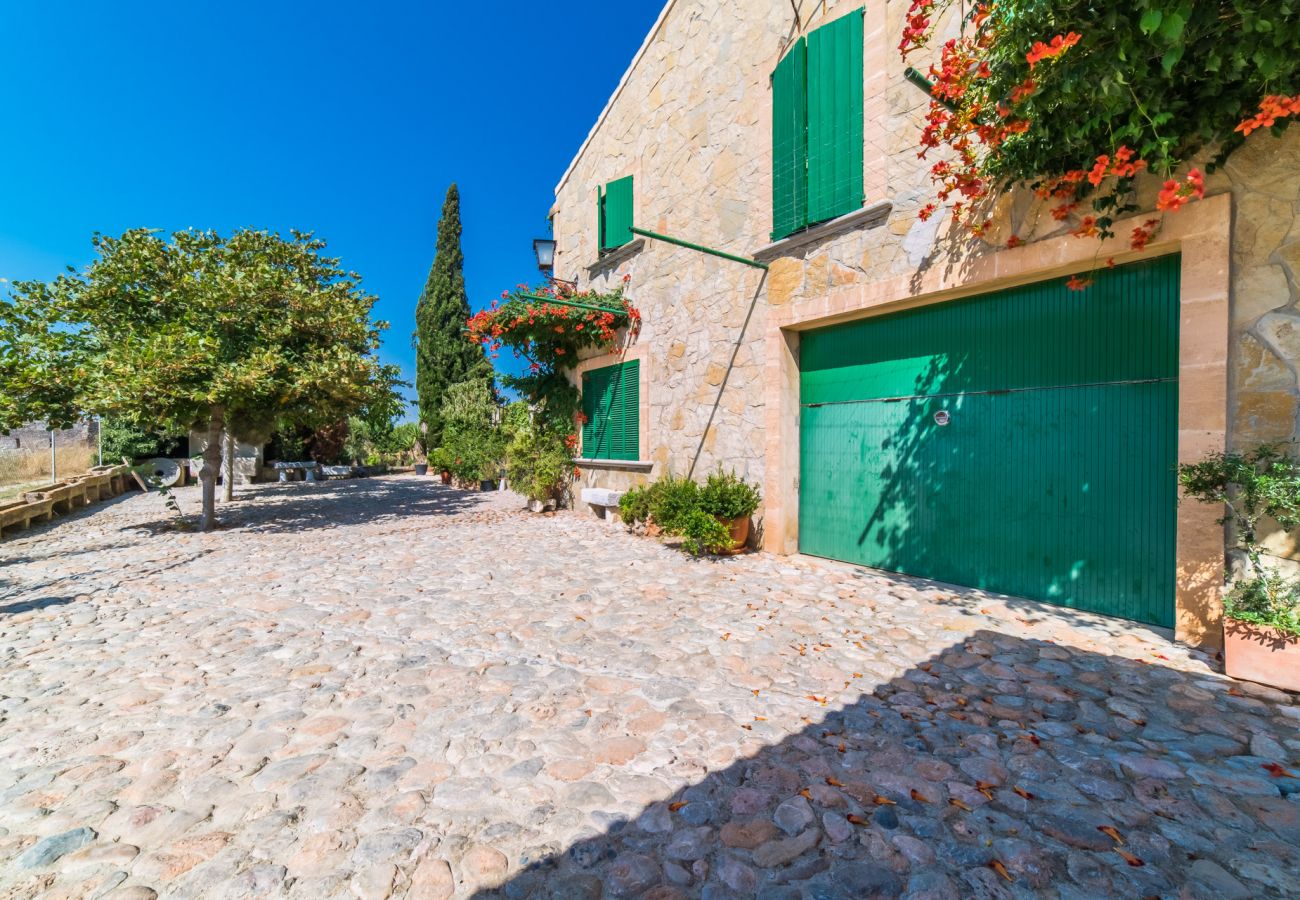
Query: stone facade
[[691, 120]]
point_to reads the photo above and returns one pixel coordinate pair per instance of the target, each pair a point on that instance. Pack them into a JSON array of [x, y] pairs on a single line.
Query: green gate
[[1023, 442]]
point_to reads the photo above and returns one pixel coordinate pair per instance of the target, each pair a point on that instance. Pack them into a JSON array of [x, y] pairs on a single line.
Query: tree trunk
[[228, 468], [211, 464]]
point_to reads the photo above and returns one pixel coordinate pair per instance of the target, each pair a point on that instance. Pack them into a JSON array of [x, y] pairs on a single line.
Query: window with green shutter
[[611, 403], [817, 130], [790, 142], [614, 213]]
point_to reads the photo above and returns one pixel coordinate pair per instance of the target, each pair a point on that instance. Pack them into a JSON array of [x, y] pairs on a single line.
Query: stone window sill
[[626, 465], [614, 257], [869, 216]]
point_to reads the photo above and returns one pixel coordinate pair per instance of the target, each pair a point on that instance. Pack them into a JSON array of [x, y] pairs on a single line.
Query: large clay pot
[[739, 529], [1261, 654], [446, 476]]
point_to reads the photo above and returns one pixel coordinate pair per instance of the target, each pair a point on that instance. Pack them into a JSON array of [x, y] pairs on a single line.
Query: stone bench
[[309, 469], [98, 486], [65, 495], [19, 514], [603, 502]]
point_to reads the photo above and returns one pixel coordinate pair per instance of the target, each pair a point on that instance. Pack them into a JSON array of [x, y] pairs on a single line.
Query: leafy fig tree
[[195, 332]]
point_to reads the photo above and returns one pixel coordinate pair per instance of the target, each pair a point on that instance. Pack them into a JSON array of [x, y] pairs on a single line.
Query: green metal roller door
[[1054, 477]]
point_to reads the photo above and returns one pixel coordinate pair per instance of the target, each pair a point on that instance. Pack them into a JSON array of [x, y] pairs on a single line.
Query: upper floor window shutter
[[835, 118], [617, 214], [790, 142]]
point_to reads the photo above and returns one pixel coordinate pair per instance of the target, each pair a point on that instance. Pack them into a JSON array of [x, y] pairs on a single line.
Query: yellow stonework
[[692, 124]]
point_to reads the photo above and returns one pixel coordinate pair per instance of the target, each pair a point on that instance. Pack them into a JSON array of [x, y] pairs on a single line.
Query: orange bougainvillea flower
[[1175, 195], [1078, 284], [1014, 241], [1055, 48], [1023, 90], [1271, 108], [1087, 227]]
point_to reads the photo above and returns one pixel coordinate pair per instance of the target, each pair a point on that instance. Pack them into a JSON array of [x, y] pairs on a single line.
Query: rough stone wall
[[35, 438], [693, 125]]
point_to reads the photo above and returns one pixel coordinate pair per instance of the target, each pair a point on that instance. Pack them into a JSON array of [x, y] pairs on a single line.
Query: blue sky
[[341, 117]]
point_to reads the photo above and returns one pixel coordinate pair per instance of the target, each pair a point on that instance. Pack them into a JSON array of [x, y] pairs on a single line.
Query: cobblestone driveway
[[388, 687]]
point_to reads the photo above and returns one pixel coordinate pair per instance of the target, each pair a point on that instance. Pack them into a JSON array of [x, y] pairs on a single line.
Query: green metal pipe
[[918, 78], [743, 260], [559, 302]]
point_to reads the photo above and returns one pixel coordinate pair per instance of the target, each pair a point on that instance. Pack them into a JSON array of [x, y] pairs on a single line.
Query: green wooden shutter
[[611, 401], [790, 142], [835, 118], [616, 230], [600, 219]]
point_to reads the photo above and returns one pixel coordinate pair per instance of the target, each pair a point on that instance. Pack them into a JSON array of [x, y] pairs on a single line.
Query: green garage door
[[1022, 442]]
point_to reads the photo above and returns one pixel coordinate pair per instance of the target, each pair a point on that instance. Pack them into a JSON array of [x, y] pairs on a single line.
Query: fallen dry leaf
[[881, 800], [857, 820], [985, 788], [1112, 832], [953, 801], [996, 866], [580, 618], [919, 797], [1024, 793], [727, 636], [1130, 858], [1277, 771], [673, 807], [833, 781], [804, 793]]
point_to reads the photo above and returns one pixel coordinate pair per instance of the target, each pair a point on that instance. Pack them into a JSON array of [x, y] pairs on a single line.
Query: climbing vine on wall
[[547, 328], [1079, 98]]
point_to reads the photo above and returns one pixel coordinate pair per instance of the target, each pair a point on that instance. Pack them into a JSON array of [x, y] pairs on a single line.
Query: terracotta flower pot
[[739, 529], [446, 476], [1261, 654]]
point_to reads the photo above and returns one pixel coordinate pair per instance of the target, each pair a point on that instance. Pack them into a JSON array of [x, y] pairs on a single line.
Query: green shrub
[[703, 532], [728, 497], [634, 505], [122, 439], [671, 502], [538, 464], [1266, 599], [1253, 487]]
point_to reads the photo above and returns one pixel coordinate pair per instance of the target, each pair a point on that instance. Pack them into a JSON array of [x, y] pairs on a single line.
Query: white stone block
[[601, 496]]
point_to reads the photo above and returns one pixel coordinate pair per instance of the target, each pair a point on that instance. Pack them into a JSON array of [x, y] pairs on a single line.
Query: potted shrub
[[678, 508], [1261, 606], [538, 465], [731, 501]]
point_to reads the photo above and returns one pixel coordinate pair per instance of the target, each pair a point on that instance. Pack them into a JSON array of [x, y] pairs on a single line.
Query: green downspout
[[743, 260]]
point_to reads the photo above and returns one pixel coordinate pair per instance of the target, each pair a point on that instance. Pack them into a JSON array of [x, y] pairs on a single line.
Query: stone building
[[910, 398], [34, 437]]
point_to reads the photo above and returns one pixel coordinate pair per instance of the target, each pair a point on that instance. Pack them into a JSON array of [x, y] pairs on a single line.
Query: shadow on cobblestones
[[1002, 767], [23, 606], [296, 507]]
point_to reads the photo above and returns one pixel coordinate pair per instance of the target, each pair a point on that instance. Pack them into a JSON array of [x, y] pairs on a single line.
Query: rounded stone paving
[[390, 688]]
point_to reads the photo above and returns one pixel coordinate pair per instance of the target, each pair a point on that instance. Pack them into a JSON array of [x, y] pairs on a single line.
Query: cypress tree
[[443, 355]]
